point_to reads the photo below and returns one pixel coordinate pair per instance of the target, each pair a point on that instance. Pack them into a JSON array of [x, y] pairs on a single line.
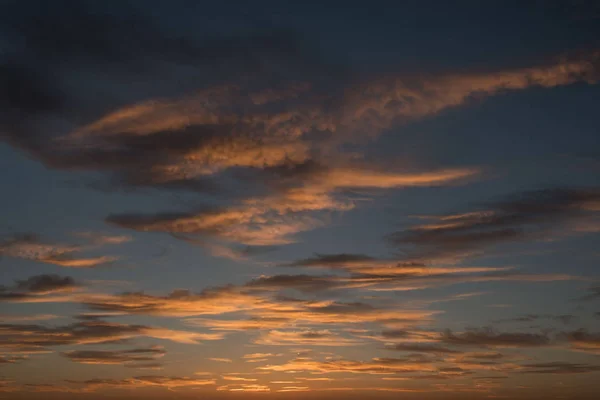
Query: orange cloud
[[313, 338], [29, 247]]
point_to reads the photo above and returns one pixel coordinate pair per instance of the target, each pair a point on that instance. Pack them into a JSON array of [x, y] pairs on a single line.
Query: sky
[[285, 200]]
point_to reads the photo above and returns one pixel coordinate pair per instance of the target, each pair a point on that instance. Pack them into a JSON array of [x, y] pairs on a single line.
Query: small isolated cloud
[[238, 378], [98, 239], [258, 355]]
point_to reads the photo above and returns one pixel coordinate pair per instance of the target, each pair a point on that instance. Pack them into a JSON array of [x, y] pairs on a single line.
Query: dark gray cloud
[[53, 52], [46, 283], [486, 337], [524, 216], [38, 285]]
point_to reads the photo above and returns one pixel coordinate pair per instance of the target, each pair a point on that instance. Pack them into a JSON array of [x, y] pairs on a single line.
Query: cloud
[[259, 302], [422, 348], [244, 388], [582, 340], [594, 293], [258, 110], [179, 303], [44, 284], [376, 366], [307, 337], [101, 240], [374, 274], [304, 283], [526, 216], [273, 219], [31, 338], [258, 355], [30, 247], [168, 382], [227, 360], [238, 379], [565, 319], [26, 318], [405, 283], [127, 357], [486, 337], [559, 368], [40, 288]]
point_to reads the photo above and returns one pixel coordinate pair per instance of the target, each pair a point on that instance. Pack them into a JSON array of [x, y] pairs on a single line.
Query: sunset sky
[[290, 200]]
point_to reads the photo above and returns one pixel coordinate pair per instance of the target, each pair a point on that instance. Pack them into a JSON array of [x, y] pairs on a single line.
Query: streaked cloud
[[31, 247], [559, 368], [39, 288], [167, 382], [488, 337], [307, 337], [375, 366], [31, 338], [582, 340], [526, 216], [128, 357]]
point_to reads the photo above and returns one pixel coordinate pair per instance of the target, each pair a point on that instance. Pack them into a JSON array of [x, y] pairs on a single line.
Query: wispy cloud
[[130, 357], [242, 125], [31, 338], [526, 216], [31, 247], [559, 368], [313, 338], [40, 288], [375, 366], [582, 340], [488, 337]]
